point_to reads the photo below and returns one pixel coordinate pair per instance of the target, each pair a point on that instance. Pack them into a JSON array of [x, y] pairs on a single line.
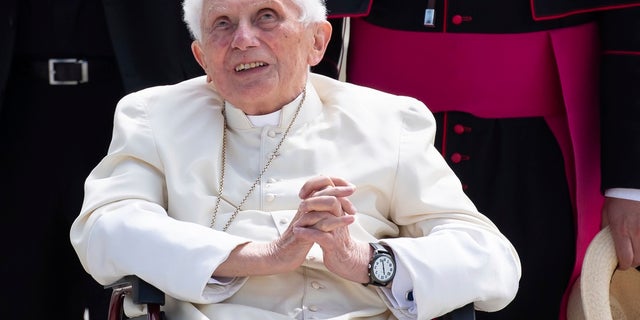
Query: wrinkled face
[[257, 53]]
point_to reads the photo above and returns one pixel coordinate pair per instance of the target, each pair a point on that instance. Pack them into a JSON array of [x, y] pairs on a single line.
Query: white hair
[[310, 11]]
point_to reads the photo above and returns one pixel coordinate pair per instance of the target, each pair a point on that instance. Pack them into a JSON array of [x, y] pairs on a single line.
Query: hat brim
[[602, 292]]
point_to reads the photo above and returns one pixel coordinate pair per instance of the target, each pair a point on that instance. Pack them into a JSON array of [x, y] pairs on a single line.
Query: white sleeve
[[455, 264]]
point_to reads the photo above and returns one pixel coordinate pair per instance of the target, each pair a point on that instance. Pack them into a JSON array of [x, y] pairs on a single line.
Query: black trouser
[[50, 139], [513, 170]]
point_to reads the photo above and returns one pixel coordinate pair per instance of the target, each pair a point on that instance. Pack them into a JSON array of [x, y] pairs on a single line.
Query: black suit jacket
[[152, 47], [150, 40]]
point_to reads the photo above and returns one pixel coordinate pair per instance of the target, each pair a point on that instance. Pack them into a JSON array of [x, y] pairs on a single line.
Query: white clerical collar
[[269, 119]]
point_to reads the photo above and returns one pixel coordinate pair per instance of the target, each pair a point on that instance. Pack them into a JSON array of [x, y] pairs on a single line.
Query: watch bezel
[[380, 252]]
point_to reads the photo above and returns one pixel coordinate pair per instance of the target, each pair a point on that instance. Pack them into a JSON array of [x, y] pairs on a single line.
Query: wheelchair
[[142, 292]]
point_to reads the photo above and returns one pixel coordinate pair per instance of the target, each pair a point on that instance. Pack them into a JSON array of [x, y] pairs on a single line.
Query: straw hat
[[602, 292]]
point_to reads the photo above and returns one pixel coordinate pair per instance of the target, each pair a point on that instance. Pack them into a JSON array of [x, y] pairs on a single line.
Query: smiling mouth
[[248, 66]]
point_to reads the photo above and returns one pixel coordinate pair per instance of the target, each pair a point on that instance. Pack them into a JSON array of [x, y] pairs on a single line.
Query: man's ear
[[198, 54], [321, 37]]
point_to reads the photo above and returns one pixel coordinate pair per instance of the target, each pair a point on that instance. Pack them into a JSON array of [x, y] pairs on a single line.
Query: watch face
[[383, 268]]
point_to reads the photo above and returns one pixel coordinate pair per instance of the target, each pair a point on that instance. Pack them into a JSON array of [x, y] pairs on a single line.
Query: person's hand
[[623, 218], [328, 214], [323, 211]]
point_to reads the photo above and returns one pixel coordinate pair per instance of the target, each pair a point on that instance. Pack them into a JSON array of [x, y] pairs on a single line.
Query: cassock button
[[457, 19], [313, 308], [460, 129], [457, 158]]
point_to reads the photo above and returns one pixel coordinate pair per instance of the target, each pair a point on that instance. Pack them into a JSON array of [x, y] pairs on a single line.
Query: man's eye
[[221, 25], [267, 17], [268, 22]]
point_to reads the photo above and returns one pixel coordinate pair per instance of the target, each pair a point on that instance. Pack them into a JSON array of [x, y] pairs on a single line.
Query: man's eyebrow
[[268, 3], [218, 7]]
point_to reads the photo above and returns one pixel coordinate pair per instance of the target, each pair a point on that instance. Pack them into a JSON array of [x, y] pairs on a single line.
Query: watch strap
[[378, 248]]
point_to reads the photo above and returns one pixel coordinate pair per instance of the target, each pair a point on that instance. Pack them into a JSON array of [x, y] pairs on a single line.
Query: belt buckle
[[84, 72]]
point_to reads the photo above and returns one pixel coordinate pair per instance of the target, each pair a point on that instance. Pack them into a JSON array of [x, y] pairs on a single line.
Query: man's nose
[[245, 36]]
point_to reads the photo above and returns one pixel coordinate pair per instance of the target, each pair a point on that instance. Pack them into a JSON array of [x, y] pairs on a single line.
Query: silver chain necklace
[[266, 166]]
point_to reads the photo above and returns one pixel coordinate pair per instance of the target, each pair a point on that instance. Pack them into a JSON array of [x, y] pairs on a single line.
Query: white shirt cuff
[[623, 193], [401, 290], [223, 281]]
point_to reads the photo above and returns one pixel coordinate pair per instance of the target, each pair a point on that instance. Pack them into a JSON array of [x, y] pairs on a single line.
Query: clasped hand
[[323, 217]]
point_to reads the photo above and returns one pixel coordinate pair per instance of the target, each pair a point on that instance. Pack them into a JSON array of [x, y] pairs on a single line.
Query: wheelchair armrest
[[467, 312], [140, 291]]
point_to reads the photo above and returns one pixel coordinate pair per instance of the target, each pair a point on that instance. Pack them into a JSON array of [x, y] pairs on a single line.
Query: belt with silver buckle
[[68, 71]]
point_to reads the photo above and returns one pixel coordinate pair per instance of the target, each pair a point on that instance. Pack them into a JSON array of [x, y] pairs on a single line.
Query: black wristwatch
[[382, 267]]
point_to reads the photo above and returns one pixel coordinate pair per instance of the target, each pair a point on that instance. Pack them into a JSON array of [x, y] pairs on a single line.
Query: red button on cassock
[[460, 129], [457, 158]]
